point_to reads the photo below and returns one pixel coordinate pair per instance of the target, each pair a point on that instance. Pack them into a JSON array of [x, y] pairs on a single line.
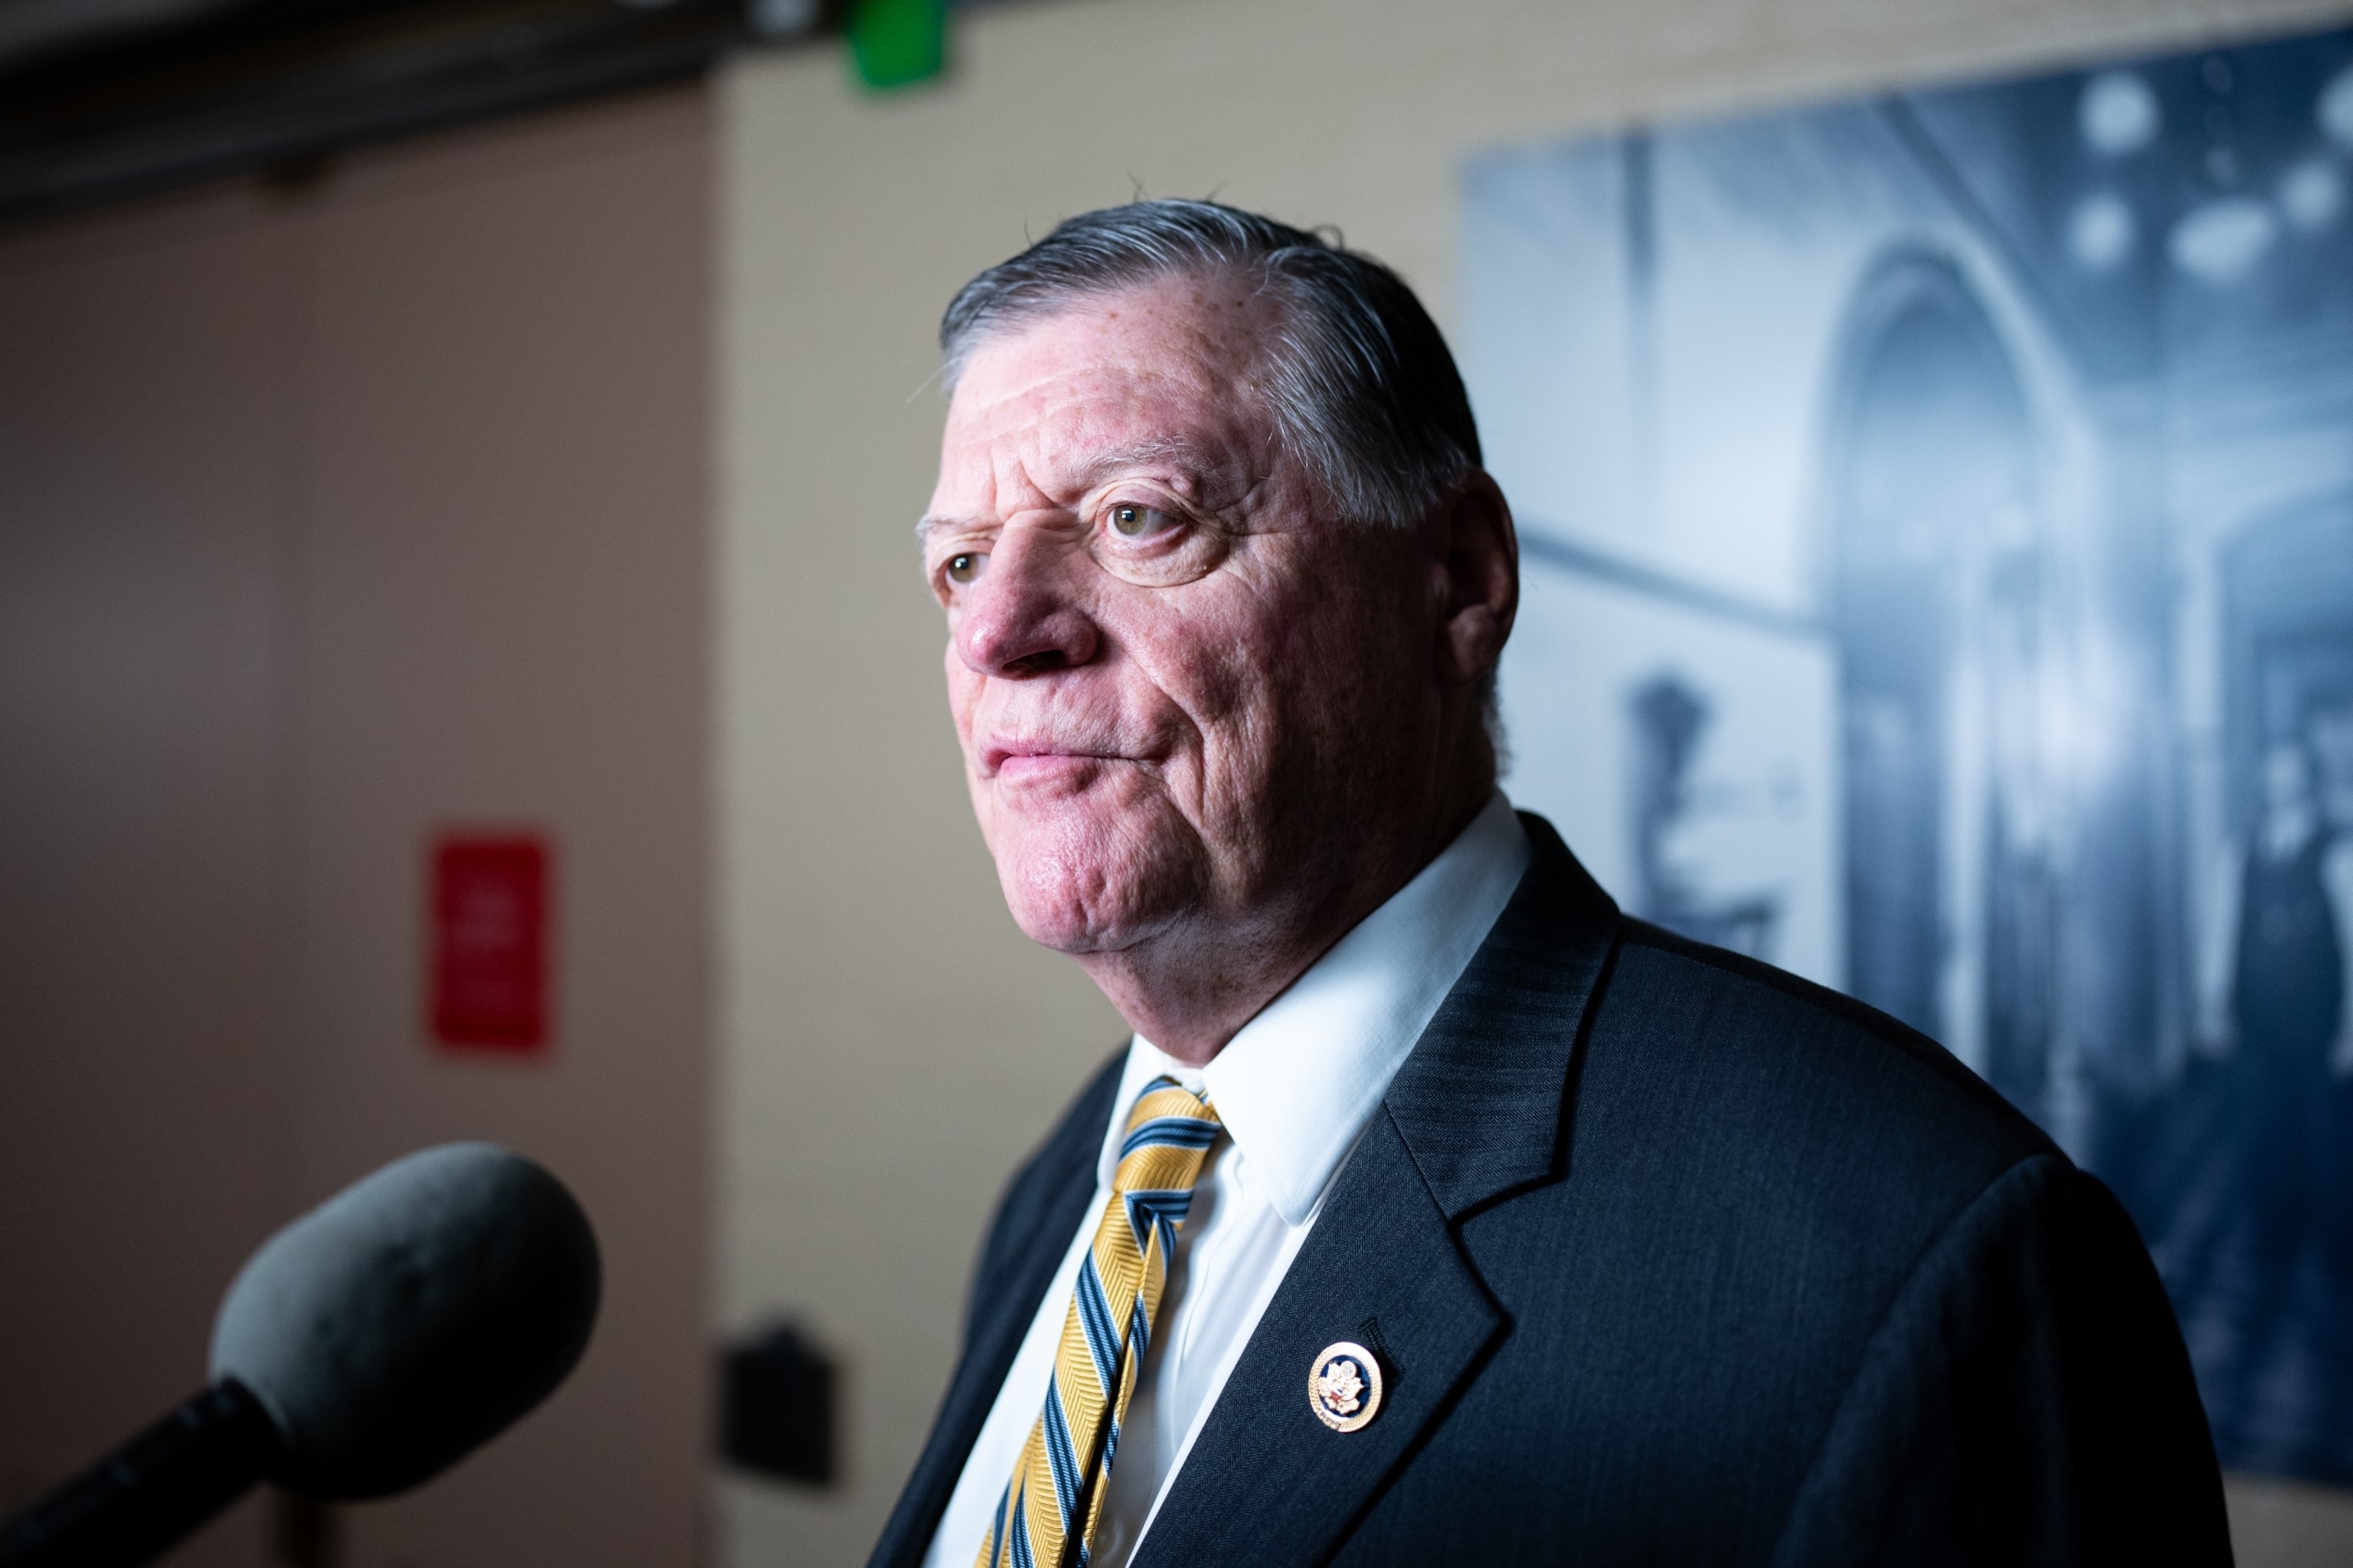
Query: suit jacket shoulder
[[1784, 1108], [1662, 962], [2008, 1383]]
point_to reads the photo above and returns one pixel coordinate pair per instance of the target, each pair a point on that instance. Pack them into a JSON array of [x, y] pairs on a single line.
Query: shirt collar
[[1295, 1087]]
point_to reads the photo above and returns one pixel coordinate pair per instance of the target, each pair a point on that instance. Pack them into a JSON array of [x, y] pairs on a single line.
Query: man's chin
[[1073, 914], [1084, 892]]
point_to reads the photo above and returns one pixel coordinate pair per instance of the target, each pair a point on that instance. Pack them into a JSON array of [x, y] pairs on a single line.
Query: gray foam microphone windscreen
[[410, 1318]]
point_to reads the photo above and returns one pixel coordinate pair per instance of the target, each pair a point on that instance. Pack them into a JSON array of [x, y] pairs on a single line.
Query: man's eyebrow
[[1177, 450], [932, 523], [1170, 451]]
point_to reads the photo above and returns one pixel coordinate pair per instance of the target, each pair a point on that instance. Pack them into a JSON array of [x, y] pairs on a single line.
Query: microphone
[[366, 1348]]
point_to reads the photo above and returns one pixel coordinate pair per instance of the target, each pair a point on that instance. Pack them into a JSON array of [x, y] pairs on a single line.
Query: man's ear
[[1475, 551]]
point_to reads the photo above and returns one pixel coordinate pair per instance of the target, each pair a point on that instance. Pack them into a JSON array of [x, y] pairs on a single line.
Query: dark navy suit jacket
[[1670, 1257]]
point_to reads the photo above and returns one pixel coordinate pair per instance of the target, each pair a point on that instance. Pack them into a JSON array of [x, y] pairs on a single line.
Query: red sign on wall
[[488, 902]]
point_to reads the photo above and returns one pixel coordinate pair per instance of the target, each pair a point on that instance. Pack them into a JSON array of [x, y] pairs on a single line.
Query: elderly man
[[1436, 1212]]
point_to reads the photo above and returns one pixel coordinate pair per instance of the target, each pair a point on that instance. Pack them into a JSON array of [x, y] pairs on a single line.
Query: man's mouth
[[1015, 760]]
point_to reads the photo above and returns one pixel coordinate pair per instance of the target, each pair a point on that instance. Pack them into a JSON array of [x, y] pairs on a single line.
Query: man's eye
[[966, 567], [1133, 520]]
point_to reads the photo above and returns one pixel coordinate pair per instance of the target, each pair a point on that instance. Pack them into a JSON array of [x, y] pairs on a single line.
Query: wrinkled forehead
[[1173, 364]]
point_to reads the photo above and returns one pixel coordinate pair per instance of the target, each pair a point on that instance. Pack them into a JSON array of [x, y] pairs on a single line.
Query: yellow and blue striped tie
[[1047, 1516]]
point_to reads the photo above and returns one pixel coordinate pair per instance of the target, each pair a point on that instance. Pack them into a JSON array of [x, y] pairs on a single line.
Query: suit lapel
[[1475, 1114], [1481, 1101], [1267, 1482], [1041, 1216]]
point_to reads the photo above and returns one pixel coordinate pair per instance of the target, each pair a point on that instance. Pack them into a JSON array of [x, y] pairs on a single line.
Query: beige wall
[[328, 516], [888, 1046]]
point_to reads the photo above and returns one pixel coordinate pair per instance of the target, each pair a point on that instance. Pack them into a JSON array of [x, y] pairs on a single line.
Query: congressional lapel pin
[[1344, 1386]]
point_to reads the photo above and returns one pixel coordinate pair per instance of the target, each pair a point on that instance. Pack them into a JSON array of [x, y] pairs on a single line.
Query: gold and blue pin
[[1343, 1386]]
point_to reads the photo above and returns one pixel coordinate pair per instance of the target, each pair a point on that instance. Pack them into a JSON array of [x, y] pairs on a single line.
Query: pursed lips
[[1018, 760]]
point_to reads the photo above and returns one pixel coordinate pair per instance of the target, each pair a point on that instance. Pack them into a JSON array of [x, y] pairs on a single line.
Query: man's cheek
[[964, 699]]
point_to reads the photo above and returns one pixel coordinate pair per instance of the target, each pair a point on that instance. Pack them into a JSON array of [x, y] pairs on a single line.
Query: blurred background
[[464, 670]]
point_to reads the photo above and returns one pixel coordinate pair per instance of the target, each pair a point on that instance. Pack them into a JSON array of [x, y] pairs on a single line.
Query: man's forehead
[[1163, 339], [1135, 378]]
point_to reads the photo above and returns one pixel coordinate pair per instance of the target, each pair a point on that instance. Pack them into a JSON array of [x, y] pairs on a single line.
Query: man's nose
[[1022, 617]]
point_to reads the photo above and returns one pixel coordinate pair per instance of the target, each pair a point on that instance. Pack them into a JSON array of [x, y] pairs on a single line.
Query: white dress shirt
[[1294, 1090]]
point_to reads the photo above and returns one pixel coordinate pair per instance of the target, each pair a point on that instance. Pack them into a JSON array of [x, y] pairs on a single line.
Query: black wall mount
[[777, 1403]]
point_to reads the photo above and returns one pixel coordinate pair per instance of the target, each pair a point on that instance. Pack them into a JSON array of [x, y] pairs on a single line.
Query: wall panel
[[330, 515]]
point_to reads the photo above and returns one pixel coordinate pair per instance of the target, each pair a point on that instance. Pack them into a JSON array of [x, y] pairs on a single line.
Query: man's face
[[1178, 683]]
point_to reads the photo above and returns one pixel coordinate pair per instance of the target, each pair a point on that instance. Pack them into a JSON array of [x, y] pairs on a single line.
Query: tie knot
[[1168, 1132], [1165, 1099]]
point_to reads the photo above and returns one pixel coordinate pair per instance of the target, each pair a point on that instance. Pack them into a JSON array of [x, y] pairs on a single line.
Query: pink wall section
[[330, 516], [139, 448]]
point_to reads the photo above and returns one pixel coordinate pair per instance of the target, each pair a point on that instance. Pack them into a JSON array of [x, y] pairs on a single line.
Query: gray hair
[[1359, 382]]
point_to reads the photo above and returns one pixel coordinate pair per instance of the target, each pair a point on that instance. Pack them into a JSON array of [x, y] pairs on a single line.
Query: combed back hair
[[1358, 380]]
